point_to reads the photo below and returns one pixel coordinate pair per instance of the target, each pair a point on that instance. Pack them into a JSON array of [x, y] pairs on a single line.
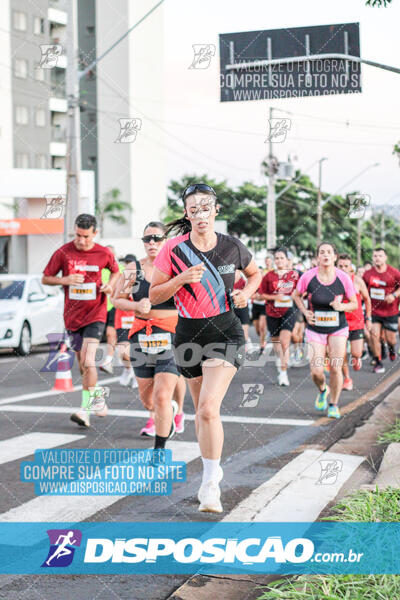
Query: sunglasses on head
[[155, 237], [197, 187]]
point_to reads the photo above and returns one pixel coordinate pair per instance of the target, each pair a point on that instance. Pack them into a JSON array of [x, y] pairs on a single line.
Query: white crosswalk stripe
[[78, 508], [25, 445], [142, 414]]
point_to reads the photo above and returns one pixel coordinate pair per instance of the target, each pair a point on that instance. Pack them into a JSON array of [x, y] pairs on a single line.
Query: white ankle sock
[[210, 469]]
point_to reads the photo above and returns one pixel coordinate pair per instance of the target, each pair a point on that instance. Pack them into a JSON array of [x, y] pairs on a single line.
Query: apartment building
[[33, 120]]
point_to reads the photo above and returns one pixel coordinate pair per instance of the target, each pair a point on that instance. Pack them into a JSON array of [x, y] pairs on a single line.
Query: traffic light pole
[[271, 201]]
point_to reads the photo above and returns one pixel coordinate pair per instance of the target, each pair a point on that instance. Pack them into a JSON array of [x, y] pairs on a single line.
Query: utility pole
[[73, 205], [383, 229], [359, 227], [319, 202], [271, 209]]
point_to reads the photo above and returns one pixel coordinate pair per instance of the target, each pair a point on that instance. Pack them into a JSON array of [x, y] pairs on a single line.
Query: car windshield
[[11, 289]]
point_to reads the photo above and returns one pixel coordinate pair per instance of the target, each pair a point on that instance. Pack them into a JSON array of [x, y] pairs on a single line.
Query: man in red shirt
[[383, 283], [85, 308]]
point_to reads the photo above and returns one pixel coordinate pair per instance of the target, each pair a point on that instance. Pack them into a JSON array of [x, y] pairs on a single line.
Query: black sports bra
[[140, 290]]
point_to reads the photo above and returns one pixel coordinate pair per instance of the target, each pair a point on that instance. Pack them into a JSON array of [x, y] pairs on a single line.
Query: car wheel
[[25, 341]]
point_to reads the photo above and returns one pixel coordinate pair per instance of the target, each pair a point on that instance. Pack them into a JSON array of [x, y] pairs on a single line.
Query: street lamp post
[[319, 201]]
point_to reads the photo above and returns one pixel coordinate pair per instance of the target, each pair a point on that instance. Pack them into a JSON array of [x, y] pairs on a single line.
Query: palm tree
[[112, 207]]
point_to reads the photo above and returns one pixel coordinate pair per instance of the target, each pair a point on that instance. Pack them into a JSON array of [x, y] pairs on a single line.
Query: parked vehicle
[[29, 311]]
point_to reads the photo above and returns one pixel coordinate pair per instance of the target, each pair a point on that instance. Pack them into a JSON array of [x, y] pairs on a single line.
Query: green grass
[[369, 506], [335, 587], [393, 435], [362, 506]]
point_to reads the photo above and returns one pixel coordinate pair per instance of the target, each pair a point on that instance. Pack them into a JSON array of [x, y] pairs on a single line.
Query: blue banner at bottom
[[199, 547]]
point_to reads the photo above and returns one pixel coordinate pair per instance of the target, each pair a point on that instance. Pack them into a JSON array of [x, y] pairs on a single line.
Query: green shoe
[[321, 401], [333, 411]]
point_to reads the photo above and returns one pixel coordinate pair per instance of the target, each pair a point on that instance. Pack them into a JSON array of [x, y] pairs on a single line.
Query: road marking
[[78, 508], [293, 493], [143, 414], [25, 445], [34, 395]]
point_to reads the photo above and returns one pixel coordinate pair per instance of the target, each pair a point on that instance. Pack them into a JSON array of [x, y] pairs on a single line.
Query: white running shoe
[[81, 418], [283, 378], [102, 412], [175, 409], [134, 383], [209, 495], [107, 365], [126, 376]]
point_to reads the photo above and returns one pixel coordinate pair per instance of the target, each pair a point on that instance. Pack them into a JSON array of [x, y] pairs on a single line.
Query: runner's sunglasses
[[197, 187], [155, 237]]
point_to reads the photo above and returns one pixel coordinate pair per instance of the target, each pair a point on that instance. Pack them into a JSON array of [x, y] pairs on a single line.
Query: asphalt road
[[260, 436]]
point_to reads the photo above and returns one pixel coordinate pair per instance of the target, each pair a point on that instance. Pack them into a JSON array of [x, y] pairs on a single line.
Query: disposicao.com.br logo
[[190, 550]]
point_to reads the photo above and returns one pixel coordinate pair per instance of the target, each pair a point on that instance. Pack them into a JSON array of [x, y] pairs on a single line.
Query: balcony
[[58, 146], [54, 15]]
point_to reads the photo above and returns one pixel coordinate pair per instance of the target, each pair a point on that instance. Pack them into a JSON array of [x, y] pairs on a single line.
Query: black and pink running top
[[210, 296], [320, 295]]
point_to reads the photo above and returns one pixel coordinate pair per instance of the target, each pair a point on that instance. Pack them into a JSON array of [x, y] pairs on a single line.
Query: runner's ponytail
[[178, 227]]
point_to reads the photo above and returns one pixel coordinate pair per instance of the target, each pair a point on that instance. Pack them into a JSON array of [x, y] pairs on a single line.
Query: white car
[[29, 311]]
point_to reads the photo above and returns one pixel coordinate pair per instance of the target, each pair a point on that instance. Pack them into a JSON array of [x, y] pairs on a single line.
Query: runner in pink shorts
[[326, 287]]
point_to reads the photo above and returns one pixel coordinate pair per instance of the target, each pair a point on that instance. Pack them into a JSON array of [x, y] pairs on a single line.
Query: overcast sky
[[227, 140]]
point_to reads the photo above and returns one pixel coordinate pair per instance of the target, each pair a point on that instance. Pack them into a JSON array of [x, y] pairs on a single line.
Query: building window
[[20, 21], [38, 25], [21, 68], [21, 115], [22, 160], [40, 117], [39, 73], [41, 161]]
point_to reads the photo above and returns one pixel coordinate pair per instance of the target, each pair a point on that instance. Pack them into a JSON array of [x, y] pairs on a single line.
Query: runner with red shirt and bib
[[277, 288], [326, 288], [85, 310], [383, 283], [198, 269], [355, 320]]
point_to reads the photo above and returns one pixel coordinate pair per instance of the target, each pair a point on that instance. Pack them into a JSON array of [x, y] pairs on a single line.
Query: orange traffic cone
[[63, 382]]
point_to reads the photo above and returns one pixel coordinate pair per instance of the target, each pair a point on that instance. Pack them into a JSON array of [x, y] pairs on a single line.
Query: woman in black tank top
[[152, 342]]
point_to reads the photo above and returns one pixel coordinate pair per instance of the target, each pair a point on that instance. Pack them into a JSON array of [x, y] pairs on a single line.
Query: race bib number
[[377, 293], [83, 291], [285, 303], [155, 343], [126, 322], [328, 318]]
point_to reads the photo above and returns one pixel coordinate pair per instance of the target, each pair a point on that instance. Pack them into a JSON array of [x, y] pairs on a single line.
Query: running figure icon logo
[[358, 205], [251, 394], [330, 470], [62, 547], [49, 55], [203, 54], [128, 130], [278, 129]]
